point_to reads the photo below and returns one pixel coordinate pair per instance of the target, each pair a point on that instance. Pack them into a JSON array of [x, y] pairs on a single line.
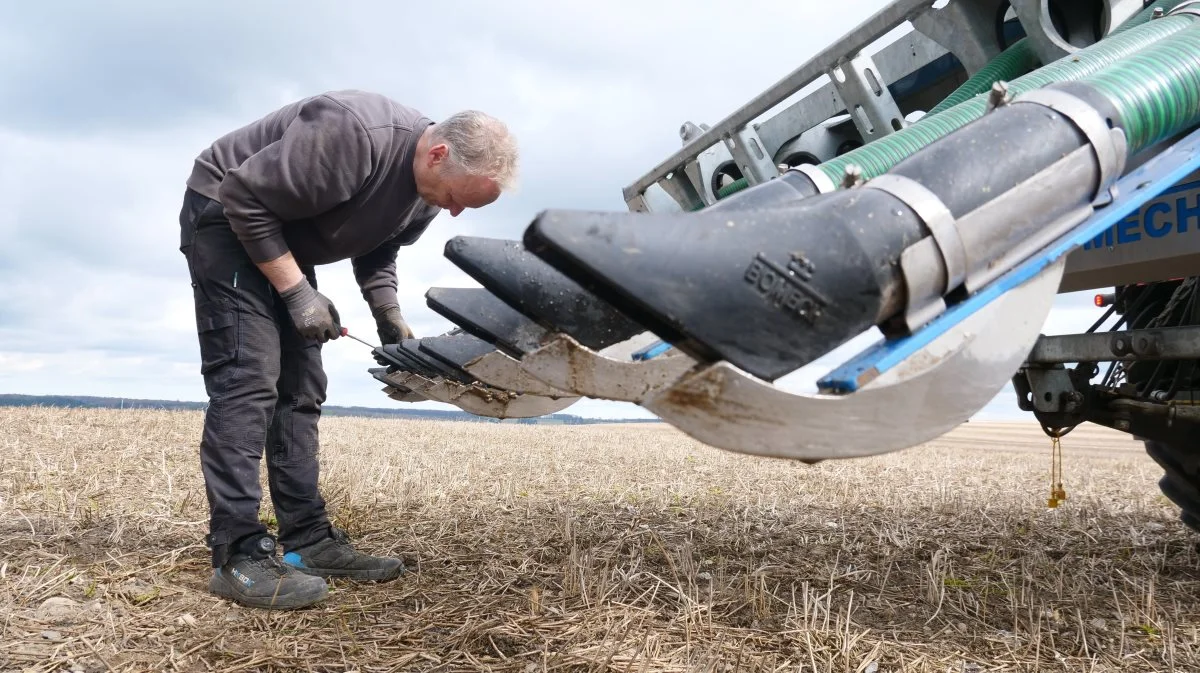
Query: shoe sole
[[377, 575], [290, 601]]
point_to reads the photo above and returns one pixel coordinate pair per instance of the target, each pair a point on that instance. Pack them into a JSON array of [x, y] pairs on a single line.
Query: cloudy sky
[[108, 103]]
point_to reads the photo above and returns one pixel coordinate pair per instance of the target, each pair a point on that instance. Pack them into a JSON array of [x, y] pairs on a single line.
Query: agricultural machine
[[935, 194]]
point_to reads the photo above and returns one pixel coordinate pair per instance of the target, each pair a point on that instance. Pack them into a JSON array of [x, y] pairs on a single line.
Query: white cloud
[[19, 363]]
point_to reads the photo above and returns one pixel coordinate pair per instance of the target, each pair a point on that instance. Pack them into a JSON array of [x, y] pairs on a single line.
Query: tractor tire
[[1181, 479]]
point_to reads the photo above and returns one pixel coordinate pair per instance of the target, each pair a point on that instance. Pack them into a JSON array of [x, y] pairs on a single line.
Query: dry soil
[[607, 548]]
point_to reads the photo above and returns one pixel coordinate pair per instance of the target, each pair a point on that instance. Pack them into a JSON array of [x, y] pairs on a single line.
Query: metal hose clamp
[[1108, 143], [820, 180], [1190, 7], [936, 216]]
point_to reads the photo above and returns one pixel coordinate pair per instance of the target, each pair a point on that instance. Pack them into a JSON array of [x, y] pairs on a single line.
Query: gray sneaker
[[334, 557], [254, 577]]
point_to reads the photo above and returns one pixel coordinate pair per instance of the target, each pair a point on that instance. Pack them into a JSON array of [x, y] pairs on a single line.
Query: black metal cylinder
[[992, 155], [479, 313], [539, 291], [765, 288]]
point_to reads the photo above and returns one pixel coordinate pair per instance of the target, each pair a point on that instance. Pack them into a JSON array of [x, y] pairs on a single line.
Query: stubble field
[[606, 548]]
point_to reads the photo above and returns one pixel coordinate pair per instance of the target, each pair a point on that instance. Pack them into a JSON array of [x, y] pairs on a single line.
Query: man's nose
[[455, 210]]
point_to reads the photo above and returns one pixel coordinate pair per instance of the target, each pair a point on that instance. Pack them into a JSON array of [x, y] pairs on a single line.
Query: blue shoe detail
[[293, 559]]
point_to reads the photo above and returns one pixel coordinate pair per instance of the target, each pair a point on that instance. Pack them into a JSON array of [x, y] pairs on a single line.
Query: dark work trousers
[[265, 386]]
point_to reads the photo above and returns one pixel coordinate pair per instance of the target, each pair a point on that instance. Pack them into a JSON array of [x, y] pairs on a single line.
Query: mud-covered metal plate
[[485, 401], [500, 371], [609, 375]]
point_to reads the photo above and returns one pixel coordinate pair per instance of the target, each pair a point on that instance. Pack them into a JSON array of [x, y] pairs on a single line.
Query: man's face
[[441, 185]]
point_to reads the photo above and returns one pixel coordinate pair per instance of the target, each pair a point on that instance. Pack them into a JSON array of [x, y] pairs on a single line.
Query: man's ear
[[438, 154]]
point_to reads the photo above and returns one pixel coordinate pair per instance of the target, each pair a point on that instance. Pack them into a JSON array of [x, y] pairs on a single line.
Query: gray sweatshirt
[[329, 178]]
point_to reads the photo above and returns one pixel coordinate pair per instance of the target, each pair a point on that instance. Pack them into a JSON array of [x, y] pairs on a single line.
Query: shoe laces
[[271, 565], [340, 536]]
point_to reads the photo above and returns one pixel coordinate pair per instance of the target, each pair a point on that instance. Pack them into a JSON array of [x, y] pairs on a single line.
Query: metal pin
[[999, 96]]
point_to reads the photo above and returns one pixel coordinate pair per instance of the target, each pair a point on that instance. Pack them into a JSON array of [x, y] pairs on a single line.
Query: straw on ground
[[607, 548]]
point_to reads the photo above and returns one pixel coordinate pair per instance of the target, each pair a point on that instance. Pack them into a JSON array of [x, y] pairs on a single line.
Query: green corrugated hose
[[879, 156], [1020, 59], [735, 186], [1145, 15], [1013, 62], [876, 158], [1157, 90]]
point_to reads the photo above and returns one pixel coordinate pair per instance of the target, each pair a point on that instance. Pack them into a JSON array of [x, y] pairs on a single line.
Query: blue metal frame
[[1144, 183], [652, 351]]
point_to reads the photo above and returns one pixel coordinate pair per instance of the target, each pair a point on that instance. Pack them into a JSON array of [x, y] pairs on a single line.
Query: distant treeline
[[85, 402]]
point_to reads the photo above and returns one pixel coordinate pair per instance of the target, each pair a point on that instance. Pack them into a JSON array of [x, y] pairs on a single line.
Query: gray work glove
[[392, 328], [312, 312]]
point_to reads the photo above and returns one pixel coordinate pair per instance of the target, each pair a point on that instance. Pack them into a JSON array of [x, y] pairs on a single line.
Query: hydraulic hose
[[879, 156]]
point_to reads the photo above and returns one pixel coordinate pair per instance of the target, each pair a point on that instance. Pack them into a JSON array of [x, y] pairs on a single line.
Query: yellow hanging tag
[[1057, 493]]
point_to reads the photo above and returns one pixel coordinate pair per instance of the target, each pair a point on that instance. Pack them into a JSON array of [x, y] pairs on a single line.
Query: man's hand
[[392, 328], [313, 313]]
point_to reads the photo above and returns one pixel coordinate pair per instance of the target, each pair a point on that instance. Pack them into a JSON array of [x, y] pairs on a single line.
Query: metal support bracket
[[1052, 390], [867, 98], [1164, 343], [965, 29], [1056, 32], [680, 188], [747, 148], [870, 30]]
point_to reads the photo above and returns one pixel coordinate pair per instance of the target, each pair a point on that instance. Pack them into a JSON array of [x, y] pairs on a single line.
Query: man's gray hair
[[479, 145]]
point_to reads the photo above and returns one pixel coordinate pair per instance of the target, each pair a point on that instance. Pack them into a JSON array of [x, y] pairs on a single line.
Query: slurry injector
[[934, 193]]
